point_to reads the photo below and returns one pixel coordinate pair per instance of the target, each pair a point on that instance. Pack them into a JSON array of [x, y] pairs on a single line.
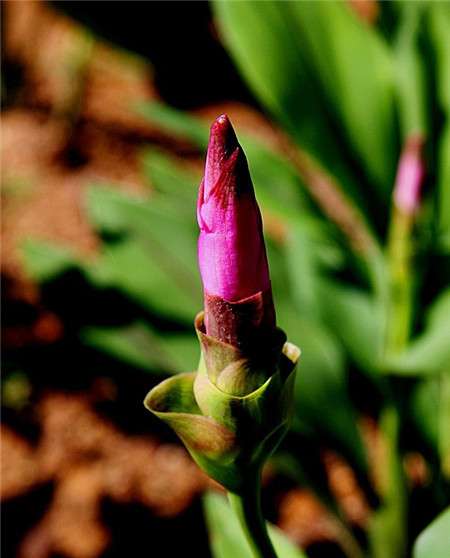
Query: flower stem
[[399, 250], [247, 507]]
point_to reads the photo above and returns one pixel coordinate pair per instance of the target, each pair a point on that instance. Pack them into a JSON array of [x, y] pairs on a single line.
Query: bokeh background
[[105, 114]]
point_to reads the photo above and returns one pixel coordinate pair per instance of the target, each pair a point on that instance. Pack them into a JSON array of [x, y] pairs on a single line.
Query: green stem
[[399, 250], [388, 528], [247, 507], [388, 524]]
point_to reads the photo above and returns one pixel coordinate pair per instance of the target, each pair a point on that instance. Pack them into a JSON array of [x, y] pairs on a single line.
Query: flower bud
[[231, 251], [410, 174], [234, 410]]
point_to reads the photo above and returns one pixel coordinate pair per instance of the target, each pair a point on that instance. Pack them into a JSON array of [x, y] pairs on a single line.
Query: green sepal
[[229, 436], [238, 371], [211, 445]]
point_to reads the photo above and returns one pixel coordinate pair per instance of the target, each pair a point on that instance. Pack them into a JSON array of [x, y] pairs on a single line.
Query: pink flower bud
[[231, 252], [410, 175]]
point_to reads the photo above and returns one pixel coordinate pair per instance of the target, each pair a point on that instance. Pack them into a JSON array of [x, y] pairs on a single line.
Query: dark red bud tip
[[222, 144]]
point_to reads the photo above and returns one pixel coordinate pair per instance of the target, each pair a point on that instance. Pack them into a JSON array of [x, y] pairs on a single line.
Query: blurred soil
[[70, 474], [87, 460]]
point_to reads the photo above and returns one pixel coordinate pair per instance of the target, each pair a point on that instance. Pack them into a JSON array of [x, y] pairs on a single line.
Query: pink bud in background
[[410, 175], [231, 251]]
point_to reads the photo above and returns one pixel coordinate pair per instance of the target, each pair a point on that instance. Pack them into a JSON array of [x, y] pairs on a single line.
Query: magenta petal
[[232, 255]]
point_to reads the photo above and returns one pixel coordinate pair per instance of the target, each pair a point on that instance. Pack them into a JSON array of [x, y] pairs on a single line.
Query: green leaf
[[424, 410], [226, 537], [437, 314], [354, 68], [434, 541], [270, 53], [429, 353], [157, 255], [177, 122], [444, 188], [439, 23], [277, 185], [409, 71], [44, 260], [309, 248], [139, 345], [429, 409], [356, 320], [138, 270], [320, 382], [112, 211], [168, 178]]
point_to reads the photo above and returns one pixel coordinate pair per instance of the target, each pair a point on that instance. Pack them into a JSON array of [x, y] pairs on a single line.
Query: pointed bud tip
[[221, 120], [222, 136], [232, 256], [220, 126]]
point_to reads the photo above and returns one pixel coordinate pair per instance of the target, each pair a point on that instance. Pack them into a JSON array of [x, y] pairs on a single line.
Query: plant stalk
[[247, 507], [389, 523], [399, 250]]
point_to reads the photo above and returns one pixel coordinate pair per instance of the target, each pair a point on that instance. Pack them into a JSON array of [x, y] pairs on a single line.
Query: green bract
[[233, 412]]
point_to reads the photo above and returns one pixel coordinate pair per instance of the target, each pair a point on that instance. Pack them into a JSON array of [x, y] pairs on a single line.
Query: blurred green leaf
[[303, 270], [267, 47], [426, 355], [439, 311], [354, 68], [133, 267], [409, 71], [112, 211], [177, 122], [227, 539], [168, 178], [44, 260], [444, 189], [156, 257], [309, 248], [429, 353], [434, 541], [277, 185], [424, 410], [133, 344], [429, 409], [439, 24], [320, 382], [356, 320], [139, 345], [439, 21]]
